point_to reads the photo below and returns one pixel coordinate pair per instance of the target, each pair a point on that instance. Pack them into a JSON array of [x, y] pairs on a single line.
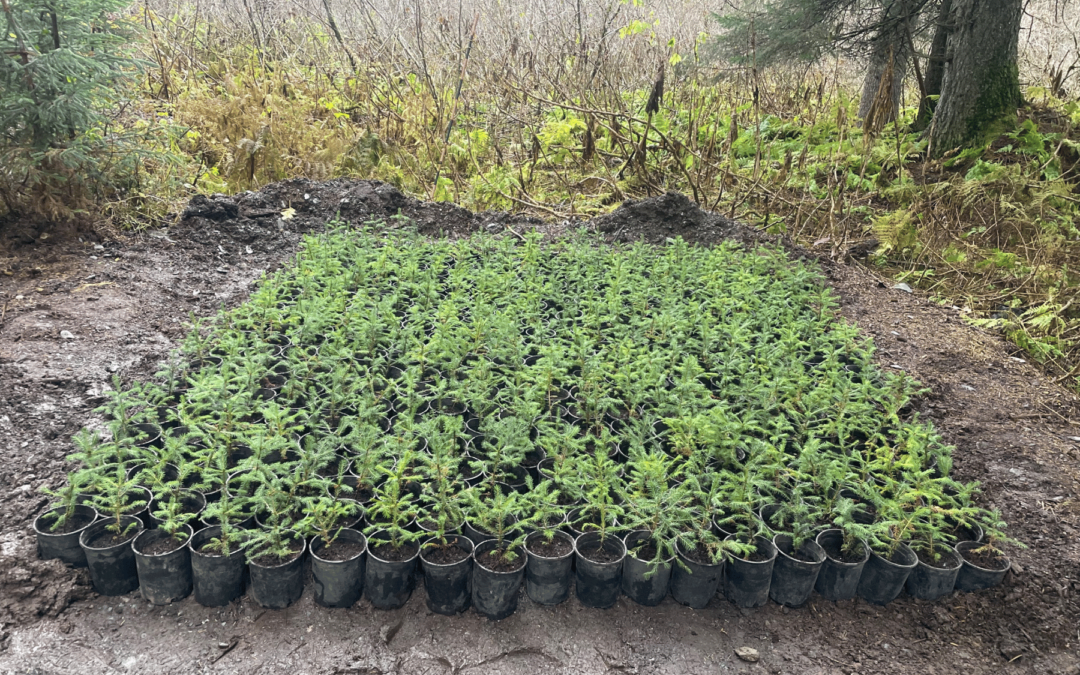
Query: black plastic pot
[[112, 567], [884, 578], [598, 583], [217, 579], [339, 583], [164, 577], [927, 582], [276, 586], [747, 581], [696, 583], [643, 582], [793, 579], [495, 594], [838, 580], [973, 577], [388, 584], [547, 579], [447, 585], [64, 547]]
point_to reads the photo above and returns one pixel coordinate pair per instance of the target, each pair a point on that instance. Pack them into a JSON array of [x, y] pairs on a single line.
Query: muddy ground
[[122, 303]]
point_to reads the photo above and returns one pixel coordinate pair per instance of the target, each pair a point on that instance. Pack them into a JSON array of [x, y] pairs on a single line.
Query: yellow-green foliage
[[992, 222]]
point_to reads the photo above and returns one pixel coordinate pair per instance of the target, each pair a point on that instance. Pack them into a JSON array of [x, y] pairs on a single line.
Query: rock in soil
[[748, 654]]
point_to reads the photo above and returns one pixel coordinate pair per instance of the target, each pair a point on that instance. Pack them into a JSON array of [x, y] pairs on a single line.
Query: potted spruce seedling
[[655, 513], [392, 541], [446, 554], [749, 572], [846, 552], [985, 564], [598, 550], [799, 558], [275, 555], [499, 566], [550, 550], [162, 556], [337, 552], [938, 563], [891, 559], [217, 553], [58, 528], [700, 553], [107, 543]]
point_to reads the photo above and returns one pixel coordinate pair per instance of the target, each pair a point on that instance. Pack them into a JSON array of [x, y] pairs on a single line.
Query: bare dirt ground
[[122, 304]]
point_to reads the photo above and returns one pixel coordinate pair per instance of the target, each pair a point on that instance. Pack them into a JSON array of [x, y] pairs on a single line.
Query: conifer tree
[[65, 64]]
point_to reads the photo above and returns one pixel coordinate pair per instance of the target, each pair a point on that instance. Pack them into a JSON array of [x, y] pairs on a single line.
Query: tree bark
[[935, 65], [890, 52], [981, 87]]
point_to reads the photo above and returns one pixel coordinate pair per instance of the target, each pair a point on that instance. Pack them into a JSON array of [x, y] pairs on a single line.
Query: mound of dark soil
[[262, 220], [669, 216]]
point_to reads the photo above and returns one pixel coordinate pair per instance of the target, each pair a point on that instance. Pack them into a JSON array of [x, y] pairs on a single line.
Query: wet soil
[[986, 560], [601, 554], [106, 539], [75, 522], [700, 555], [645, 552], [495, 561], [159, 546], [556, 548], [439, 555], [391, 554], [342, 550], [756, 556], [274, 560], [943, 562], [123, 303]]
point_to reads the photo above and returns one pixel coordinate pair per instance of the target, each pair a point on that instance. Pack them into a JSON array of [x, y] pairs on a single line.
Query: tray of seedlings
[[495, 413]]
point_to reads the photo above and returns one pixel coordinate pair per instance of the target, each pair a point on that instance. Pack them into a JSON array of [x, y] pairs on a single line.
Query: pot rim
[[458, 539], [51, 508], [610, 537], [780, 552], [299, 556], [181, 547], [866, 549], [899, 549], [944, 548], [363, 538], [558, 533], [104, 522], [682, 554], [371, 551], [523, 558], [756, 539], [239, 548], [965, 561]]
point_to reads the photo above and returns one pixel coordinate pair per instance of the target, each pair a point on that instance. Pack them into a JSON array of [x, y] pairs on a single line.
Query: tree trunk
[[935, 65], [890, 50], [982, 82]]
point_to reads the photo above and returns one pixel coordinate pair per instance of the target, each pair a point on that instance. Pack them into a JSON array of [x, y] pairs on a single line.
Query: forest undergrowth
[[469, 104]]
